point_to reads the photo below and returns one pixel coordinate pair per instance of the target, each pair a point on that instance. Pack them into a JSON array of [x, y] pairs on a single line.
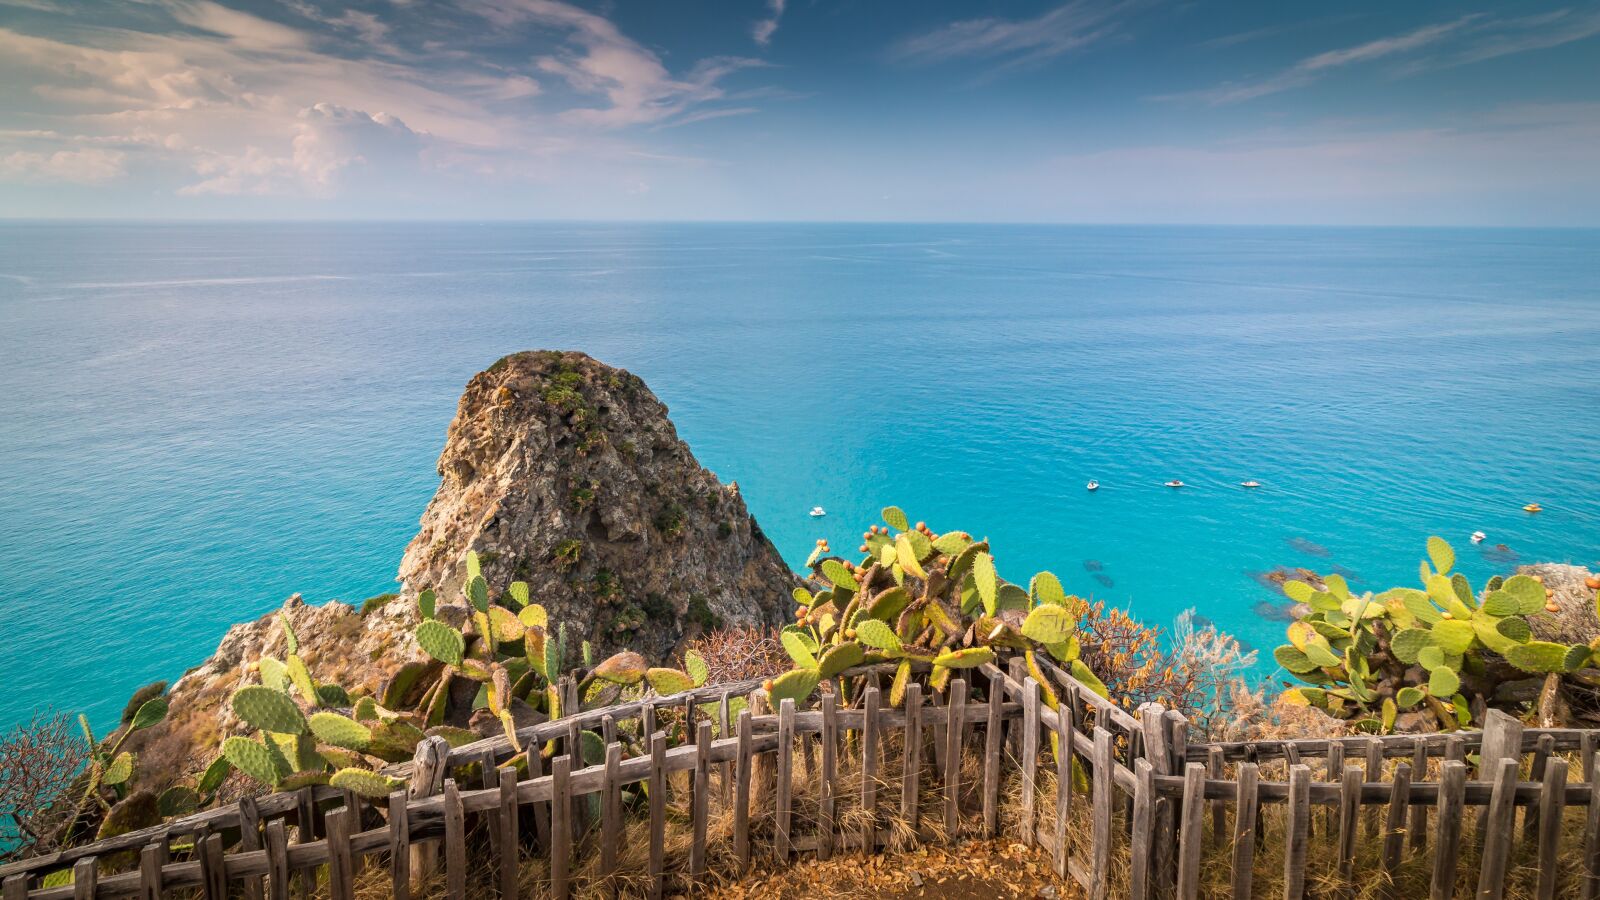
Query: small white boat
[[1478, 536], [1250, 484], [1093, 485], [818, 512], [1175, 483]]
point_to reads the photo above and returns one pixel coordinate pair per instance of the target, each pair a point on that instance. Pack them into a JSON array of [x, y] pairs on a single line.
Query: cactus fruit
[[265, 709]]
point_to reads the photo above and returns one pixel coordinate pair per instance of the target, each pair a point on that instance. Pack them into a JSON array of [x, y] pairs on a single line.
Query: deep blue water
[[197, 420]]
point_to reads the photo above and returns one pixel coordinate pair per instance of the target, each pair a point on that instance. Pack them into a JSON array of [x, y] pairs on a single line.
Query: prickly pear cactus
[[1441, 650]]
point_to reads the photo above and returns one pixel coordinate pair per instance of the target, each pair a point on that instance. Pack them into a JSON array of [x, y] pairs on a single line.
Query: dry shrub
[[39, 760], [740, 653]]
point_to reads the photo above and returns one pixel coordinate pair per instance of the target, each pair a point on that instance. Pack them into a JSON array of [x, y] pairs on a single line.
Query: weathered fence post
[[1190, 834], [956, 713], [1140, 835], [1030, 758], [1246, 803], [427, 778], [911, 759], [1104, 784], [869, 768], [399, 846], [1296, 832], [1395, 820], [785, 784], [1495, 828], [1552, 802], [1447, 828], [992, 741]]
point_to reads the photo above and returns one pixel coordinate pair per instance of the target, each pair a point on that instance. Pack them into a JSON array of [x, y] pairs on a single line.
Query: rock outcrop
[[558, 471], [566, 473], [1574, 621]]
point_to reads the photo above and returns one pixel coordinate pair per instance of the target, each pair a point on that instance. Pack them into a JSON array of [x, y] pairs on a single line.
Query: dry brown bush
[[39, 761]]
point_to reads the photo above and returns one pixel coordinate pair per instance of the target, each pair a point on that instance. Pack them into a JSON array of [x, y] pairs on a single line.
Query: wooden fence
[[871, 777]]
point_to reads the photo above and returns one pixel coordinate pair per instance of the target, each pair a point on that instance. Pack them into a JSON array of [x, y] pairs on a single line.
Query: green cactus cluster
[[922, 599], [1443, 650]]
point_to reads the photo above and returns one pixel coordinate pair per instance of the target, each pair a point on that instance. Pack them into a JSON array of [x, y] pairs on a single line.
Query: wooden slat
[[1246, 802], [1141, 833], [86, 877], [1030, 757], [277, 865], [1154, 734], [743, 772], [992, 744], [561, 827], [1552, 798], [1349, 814], [701, 801], [1190, 833], [341, 874], [780, 843], [455, 843], [1219, 823], [1447, 829], [871, 750], [658, 812], [1334, 774], [213, 869], [399, 846], [1495, 824], [1395, 820], [610, 815], [427, 779], [1545, 746], [540, 812], [250, 839], [15, 887], [1374, 772], [952, 760], [724, 730], [1065, 728], [1297, 832], [1417, 829], [154, 856], [510, 828], [1591, 833], [1104, 785], [826, 782], [911, 770]]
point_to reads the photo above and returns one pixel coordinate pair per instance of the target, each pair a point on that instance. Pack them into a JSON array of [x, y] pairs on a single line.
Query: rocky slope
[[566, 473], [559, 471]]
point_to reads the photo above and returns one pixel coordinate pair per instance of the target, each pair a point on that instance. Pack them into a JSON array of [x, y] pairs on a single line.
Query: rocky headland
[[561, 472]]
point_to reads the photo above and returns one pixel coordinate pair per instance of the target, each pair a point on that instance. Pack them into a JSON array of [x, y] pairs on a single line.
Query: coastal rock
[[558, 471], [566, 473], [1575, 622]]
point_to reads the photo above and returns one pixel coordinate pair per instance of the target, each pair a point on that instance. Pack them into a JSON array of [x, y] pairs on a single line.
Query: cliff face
[[566, 473]]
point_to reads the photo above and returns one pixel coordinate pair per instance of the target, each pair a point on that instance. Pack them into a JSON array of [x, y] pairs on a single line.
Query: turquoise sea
[[198, 419]]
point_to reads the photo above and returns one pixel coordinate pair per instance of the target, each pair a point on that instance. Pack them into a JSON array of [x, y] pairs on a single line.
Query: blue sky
[[1088, 111]]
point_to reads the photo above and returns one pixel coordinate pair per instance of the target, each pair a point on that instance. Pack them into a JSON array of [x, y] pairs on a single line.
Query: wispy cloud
[[765, 28], [1469, 39], [1018, 42]]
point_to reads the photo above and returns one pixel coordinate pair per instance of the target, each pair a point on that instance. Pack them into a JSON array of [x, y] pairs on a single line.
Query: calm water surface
[[197, 420]]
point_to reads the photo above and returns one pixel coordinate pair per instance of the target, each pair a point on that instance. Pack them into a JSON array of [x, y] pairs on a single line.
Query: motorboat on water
[[1478, 536], [1533, 507], [1250, 484], [1092, 485], [1175, 483], [818, 512]]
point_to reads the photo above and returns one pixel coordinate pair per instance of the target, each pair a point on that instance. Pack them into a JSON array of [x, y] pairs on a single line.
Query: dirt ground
[[982, 870]]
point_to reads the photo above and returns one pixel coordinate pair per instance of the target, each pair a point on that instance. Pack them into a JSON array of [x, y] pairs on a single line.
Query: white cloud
[[86, 166], [765, 28], [1020, 42]]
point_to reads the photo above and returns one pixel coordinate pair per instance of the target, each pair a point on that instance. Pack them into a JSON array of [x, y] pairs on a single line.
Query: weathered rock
[[566, 473], [1575, 622], [547, 451]]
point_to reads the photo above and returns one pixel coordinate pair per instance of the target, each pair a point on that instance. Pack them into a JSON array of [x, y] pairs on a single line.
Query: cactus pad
[[623, 668], [967, 658], [365, 783], [1442, 555], [878, 635], [840, 657], [441, 642], [332, 728], [836, 572], [1539, 657], [427, 603], [796, 685], [669, 681], [1049, 624], [695, 665], [796, 647], [896, 518], [268, 710], [255, 759]]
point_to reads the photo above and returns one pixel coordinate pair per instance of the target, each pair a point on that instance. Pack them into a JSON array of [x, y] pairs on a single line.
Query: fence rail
[[1125, 790]]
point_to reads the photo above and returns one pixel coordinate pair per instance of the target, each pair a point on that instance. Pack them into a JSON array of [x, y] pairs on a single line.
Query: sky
[[1106, 111]]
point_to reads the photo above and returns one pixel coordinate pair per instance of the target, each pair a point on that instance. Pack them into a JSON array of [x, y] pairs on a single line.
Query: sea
[[199, 419]]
